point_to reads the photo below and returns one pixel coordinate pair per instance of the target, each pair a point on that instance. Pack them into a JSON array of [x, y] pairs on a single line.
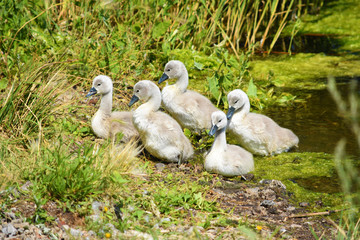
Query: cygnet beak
[[91, 92], [213, 130], [163, 78], [133, 100], [230, 113]]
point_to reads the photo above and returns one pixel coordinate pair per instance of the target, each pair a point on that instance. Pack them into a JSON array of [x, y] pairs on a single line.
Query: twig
[[315, 214]]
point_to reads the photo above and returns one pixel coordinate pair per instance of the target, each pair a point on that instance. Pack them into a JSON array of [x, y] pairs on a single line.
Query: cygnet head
[[101, 85], [238, 100], [143, 91], [219, 121], [173, 70]]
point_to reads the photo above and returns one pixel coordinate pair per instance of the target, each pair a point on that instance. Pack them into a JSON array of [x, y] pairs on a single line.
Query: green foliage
[[201, 141], [40, 215], [30, 100], [227, 79], [69, 176], [181, 196]]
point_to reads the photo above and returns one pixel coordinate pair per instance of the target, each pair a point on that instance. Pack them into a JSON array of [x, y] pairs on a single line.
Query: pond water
[[309, 43], [317, 122]]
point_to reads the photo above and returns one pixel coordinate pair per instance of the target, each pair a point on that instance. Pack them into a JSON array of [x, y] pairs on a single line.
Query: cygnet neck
[[106, 103], [220, 139], [183, 81], [152, 104]]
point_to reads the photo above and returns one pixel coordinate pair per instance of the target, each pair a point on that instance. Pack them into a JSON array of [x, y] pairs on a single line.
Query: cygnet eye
[[168, 69], [220, 120], [236, 101], [137, 90], [99, 84]]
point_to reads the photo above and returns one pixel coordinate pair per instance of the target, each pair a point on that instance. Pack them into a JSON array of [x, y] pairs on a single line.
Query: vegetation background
[[51, 51]]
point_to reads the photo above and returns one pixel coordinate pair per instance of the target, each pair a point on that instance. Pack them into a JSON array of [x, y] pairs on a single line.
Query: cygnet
[[105, 123], [226, 159], [257, 133], [161, 135]]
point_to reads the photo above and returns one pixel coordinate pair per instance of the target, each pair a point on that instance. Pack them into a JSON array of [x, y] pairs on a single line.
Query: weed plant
[[349, 225]]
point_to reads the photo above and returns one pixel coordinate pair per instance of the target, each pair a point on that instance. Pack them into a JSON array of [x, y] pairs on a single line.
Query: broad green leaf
[[116, 177], [213, 86], [198, 65], [252, 89], [160, 29]]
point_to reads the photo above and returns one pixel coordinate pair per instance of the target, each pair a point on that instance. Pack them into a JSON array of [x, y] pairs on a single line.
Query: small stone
[[133, 234], [265, 181], [267, 203], [253, 191], [96, 207], [91, 233], [191, 230], [65, 227], [17, 221], [26, 186], [160, 166], [304, 204], [269, 194], [9, 230], [75, 232], [165, 220], [272, 210], [295, 226], [277, 184], [219, 191], [10, 215], [291, 209]]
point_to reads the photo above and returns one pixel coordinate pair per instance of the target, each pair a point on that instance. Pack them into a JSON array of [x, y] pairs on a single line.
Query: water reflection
[[317, 123]]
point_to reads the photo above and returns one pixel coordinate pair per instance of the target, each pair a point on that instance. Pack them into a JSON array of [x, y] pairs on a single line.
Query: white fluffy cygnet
[[226, 159], [257, 133], [191, 109], [105, 123], [161, 135]]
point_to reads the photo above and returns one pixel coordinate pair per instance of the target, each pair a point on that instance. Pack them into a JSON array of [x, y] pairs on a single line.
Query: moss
[[299, 172], [337, 17], [303, 71]]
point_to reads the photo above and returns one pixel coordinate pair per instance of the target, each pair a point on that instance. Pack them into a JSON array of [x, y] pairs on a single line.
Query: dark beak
[[213, 130], [91, 92], [163, 78], [133, 100], [230, 113]]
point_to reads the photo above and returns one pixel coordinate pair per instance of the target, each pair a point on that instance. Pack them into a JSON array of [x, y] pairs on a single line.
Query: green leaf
[[198, 65], [3, 83], [160, 29], [117, 178], [187, 132], [214, 86], [252, 89]]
